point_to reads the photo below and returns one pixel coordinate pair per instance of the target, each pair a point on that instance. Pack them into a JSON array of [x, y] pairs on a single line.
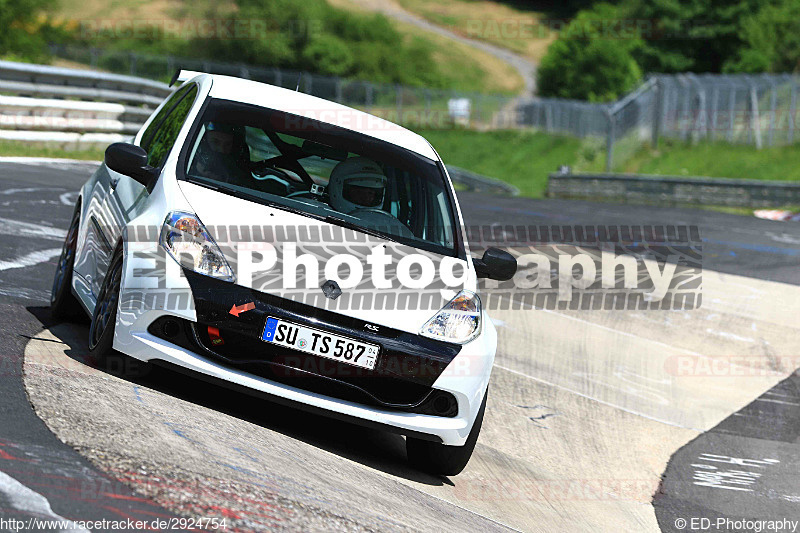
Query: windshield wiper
[[353, 226]]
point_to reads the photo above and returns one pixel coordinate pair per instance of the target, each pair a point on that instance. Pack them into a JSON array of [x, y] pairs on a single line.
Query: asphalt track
[[588, 428]]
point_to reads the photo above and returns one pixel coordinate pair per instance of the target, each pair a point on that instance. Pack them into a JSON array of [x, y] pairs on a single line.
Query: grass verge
[[719, 160], [524, 159], [466, 68], [23, 149], [521, 158]]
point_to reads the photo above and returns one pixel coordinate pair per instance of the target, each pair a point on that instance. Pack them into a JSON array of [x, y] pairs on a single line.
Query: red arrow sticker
[[235, 310]]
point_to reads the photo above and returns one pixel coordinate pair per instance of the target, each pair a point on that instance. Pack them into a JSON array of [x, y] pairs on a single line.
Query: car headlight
[[185, 238], [459, 321]]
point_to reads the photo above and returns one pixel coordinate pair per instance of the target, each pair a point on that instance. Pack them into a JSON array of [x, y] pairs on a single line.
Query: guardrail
[[45, 77], [73, 108], [85, 108], [477, 183], [673, 190]]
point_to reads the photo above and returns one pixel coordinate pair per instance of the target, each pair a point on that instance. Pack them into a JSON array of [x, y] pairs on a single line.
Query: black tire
[[63, 304], [104, 317], [442, 460]]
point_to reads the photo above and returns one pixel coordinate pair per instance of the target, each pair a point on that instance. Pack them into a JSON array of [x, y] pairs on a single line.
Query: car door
[[117, 199]]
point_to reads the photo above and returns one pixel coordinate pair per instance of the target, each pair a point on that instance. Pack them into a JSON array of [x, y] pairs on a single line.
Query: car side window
[[170, 104], [160, 136]]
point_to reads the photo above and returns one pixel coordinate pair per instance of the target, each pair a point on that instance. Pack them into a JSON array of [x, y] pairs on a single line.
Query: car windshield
[[322, 171]]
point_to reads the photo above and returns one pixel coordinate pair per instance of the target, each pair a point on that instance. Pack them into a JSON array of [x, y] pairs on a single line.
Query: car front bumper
[[411, 374]]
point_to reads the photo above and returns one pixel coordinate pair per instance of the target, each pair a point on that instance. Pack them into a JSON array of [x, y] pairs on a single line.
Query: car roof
[[312, 107]]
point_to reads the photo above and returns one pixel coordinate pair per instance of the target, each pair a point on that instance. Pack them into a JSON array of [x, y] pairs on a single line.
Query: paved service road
[[591, 414], [523, 65]]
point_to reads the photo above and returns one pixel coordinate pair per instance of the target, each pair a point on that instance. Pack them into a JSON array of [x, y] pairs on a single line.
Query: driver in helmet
[[223, 154], [356, 183]]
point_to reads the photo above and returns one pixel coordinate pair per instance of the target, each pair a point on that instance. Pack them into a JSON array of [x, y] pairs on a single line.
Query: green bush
[[772, 40], [363, 28], [20, 37], [329, 54], [586, 63], [691, 35], [311, 35]]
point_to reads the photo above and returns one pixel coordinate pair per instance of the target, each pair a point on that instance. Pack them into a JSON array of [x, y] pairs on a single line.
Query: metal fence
[[744, 109], [623, 126], [414, 106], [760, 110]]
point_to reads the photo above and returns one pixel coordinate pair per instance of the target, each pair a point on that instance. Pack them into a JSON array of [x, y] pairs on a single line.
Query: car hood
[[244, 229]]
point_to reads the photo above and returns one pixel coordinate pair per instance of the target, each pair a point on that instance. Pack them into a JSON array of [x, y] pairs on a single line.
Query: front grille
[[379, 387]]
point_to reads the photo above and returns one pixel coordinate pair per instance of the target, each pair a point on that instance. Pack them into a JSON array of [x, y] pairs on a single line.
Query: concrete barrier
[[73, 108], [673, 190]]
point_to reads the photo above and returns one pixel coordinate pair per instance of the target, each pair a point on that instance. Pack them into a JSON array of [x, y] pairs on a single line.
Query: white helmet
[[356, 183]]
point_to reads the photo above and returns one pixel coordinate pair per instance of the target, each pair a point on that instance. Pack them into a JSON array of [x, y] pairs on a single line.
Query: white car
[[223, 152]]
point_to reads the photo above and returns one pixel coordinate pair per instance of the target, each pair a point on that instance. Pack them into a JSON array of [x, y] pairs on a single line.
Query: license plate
[[320, 343]]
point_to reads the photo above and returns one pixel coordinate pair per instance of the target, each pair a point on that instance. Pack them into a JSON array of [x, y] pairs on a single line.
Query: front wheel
[[442, 460]]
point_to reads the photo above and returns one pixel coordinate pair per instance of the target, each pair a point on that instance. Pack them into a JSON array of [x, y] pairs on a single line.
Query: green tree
[[693, 35], [772, 40], [18, 33], [592, 59], [554, 8]]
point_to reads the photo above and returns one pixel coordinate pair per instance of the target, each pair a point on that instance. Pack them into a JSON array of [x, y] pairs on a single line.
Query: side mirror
[[130, 160], [496, 264]]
